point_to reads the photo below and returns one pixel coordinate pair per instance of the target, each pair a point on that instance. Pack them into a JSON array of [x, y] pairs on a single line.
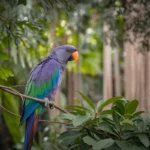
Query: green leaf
[[131, 106], [67, 116], [113, 147], [138, 113], [137, 147], [106, 112], [79, 120], [123, 145], [108, 102], [148, 114], [78, 107], [68, 137], [100, 103], [88, 140], [3, 56], [12, 104], [120, 104], [107, 128], [108, 120], [90, 103], [5, 73], [103, 144], [144, 139], [128, 123], [116, 117]]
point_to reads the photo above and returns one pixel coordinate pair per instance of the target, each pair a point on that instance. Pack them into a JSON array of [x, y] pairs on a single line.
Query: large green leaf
[[113, 147], [124, 145], [102, 144], [108, 102], [89, 101], [67, 116], [68, 137], [88, 140], [10, 102], [144, 139], [116, 117], [135, 146], [128, 123], [131, 106], [120, 105], [107, 128], [80, 120]]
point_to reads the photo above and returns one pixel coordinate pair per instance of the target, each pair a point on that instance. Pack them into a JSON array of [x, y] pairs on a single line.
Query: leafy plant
[[4, 72], [113, 124]]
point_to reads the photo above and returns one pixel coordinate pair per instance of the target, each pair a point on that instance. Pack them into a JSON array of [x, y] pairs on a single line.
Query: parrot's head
[[66, 53]]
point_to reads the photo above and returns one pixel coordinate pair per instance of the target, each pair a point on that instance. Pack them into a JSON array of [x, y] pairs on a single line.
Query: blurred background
[[112, 37]]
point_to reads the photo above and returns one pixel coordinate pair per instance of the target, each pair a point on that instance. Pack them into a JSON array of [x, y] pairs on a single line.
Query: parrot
[[43, 82]]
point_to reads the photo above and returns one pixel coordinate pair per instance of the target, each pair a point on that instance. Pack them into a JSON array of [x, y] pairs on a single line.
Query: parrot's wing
[[44, 79]]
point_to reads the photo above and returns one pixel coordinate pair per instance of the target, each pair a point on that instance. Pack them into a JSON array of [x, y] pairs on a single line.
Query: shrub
[[113, 124]]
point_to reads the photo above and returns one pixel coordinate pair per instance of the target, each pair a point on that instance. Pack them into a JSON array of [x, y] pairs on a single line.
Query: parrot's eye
[[68, 50]]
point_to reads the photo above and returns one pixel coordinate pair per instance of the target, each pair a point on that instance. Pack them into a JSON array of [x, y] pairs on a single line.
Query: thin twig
[[54, 122], [15, 86], [14, 92], [9, 111], [46, 121]]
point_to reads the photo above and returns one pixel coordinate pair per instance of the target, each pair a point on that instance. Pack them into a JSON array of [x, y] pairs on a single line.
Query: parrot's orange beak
[[75, 56]]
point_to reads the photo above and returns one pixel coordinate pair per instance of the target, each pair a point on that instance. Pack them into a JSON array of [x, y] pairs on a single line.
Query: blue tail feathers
[[31, 125]]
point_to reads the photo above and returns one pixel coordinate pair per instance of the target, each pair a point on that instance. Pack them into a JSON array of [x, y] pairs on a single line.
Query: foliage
[[112, 124], [30, 29], [12, 105]]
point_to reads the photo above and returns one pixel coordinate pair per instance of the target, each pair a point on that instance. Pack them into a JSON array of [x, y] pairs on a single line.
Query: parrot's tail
[[31, 125]]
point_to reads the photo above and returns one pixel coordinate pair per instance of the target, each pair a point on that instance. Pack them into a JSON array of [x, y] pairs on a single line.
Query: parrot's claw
[[51, 104], [46, 101]]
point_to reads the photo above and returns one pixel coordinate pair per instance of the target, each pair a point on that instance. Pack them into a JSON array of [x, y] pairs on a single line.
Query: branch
[[39, 120], [14, 92], [10, 111]]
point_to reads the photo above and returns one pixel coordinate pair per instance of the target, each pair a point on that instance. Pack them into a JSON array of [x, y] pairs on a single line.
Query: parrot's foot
[[50, 103], [46, 101]]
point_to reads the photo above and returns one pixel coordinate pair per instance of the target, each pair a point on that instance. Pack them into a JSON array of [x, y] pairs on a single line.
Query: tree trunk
[[70, 87], [107, 75], [74, 81], [73, 85], [147, 70], [117, 83], [130, 70], [137, 65]]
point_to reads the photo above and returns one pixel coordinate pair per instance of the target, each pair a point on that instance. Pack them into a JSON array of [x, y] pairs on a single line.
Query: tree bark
[[107, 75], [117, 86], [74, 81], [70, 87], [137, 64]]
